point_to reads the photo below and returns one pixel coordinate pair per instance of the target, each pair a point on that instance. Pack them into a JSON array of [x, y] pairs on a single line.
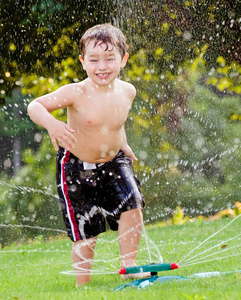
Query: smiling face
[[102, 62]]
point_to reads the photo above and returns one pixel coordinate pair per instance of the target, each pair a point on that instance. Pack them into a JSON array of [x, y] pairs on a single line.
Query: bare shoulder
[[128, 88], [63, 97], [70, 89], [72, 92]]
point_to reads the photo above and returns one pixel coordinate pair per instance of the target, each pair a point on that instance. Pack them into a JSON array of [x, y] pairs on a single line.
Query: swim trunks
[[91, 193]]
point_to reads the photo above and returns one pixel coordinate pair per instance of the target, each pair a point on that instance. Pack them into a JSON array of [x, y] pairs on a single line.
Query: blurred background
[[184, 126]]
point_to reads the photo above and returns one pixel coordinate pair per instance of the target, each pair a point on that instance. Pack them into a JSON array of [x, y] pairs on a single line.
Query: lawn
[[33, 271]]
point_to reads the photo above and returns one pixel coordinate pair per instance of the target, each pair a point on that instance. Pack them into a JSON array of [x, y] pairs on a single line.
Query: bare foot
[[136, 275]]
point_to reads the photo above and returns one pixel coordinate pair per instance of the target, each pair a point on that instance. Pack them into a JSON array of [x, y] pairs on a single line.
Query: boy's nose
[[102, 65]]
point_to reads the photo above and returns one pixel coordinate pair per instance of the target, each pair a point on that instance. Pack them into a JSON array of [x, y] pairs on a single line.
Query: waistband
[[89, 166], [86, 165]]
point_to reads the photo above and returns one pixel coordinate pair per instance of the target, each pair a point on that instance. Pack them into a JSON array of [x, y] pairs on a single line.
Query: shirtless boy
[[94, 176]]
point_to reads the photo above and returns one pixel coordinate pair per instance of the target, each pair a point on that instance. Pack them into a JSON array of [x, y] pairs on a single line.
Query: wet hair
[[104, 33]]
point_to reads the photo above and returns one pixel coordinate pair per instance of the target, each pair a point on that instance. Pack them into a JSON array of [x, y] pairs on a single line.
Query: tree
[[30, 29], [184, 139], [16, 133], [29, 199], [180, 29]]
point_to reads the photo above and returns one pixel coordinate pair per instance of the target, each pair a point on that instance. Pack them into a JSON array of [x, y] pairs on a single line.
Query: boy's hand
[[61, 132], [128, 152]]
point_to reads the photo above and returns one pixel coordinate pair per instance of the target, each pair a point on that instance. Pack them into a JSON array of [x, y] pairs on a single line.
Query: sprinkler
[[153, 268]]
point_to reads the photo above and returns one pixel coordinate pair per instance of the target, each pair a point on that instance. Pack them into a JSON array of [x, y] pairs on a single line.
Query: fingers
[[69, 128], [67, 141], [54, 142], [131, 154], [133, 157], [70, 136], [63, 135], [128, 152]]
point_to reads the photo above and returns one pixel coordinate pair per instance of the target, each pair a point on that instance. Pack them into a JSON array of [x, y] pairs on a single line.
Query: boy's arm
[[39, 111], [126, 148]]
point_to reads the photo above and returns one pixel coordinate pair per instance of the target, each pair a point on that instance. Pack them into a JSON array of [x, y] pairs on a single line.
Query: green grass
[[33, 271]]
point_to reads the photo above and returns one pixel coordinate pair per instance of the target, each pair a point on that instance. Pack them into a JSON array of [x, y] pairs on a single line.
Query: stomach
[[96, 148]]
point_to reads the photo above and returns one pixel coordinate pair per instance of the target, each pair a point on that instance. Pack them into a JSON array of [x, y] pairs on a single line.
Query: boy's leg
[[82, 257], [129, 235]]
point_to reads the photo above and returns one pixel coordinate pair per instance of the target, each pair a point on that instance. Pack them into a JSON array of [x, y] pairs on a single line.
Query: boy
[[94, 175]]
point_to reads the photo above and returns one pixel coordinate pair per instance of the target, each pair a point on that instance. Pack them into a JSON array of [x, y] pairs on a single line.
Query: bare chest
[[100, 113]]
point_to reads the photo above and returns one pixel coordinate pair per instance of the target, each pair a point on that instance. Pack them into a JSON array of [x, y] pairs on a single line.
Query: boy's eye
[[110, 59], [93, 60]]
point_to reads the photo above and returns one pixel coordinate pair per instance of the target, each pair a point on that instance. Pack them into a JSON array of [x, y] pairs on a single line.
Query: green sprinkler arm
[[148, 268]]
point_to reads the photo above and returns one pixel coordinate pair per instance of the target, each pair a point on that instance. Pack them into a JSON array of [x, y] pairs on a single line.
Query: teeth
[[103, 75]]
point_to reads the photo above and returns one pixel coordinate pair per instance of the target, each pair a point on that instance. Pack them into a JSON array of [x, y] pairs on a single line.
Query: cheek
[[116, 66], [118, 70], [90, 69]]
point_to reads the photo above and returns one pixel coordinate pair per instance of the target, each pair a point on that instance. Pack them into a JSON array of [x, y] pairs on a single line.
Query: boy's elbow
[[32, 109], [29, 108]]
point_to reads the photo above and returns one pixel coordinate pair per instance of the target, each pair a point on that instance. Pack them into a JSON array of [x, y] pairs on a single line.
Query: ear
[[82, 62], [124, 60]]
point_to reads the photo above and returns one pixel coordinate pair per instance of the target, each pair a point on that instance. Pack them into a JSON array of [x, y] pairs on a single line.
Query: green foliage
[[30, 197], [178, 30], [17, 131], [14, 117], [188, 147], [227, 77], [37, 36], [209, 143]]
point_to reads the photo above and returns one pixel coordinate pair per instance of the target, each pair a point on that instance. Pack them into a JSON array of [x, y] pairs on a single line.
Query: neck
[[104, 88]]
